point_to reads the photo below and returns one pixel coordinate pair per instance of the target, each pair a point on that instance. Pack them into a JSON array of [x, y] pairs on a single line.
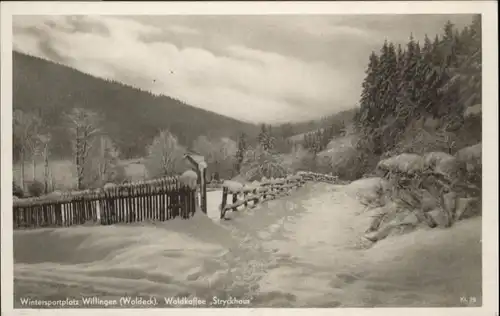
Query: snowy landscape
[[358, 137], [301, 251]]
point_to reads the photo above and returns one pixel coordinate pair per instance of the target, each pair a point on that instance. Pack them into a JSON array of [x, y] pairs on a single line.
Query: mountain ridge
[[55, 88]]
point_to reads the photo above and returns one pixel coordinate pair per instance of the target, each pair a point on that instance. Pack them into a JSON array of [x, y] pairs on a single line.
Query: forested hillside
[[424, 87], [129, 116], [424, 96], [298, 130]]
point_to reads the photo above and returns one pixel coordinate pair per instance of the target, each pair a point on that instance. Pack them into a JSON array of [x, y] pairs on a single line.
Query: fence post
[[198, 161], [204, 190], [188, 205], [235, 199], [15, 217], [193, 203], [224, 202]]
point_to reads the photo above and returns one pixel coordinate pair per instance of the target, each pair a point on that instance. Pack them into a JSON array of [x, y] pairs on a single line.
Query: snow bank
[[425, 190], [473, 111], [189, 179], [405, 163], [167, 259], [366, 184], [443, 164], [368, 190], [232, 186], [249, 187], [435, 158], [471, 156]]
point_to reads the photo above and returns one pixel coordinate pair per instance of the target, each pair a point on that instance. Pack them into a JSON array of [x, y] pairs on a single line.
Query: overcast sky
[[255, 68]]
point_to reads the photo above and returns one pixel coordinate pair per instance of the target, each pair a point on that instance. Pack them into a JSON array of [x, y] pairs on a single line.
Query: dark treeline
[[311, 135], [436, 79], [331, 127], [341, 117]]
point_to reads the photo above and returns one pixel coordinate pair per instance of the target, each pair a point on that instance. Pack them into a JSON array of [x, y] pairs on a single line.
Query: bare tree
[[84, 129], [218, 153], [25, 127], [108, 156], [226, 152], [44, 140], [164, 155], [102, 161], [204, 146], [36, 147]]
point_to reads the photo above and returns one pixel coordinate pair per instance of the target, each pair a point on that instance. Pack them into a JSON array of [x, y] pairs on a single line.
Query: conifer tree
[[399, 55], [407, 94], [469, 57], [388, 80], [265, 138], [240, 153], [262, 135], [368, 100], [439, 79], [430, 79], [449, 92]]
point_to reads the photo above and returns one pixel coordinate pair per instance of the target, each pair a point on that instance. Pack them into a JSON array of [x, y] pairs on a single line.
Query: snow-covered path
[[300, 250], [320, 260]]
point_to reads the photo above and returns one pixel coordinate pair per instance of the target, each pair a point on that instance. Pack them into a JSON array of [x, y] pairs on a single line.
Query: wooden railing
[[154, 200], [318, 177], [253, 194]]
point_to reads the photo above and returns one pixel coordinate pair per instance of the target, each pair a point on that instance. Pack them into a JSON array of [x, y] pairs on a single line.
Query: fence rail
[[152, 200], [318, 177], [254, 194], [155, 200]]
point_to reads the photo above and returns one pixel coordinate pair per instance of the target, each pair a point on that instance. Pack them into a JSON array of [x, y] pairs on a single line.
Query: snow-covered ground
[[214, 199], [300, 250]]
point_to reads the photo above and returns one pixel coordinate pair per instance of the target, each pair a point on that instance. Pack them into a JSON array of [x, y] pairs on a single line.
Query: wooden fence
[[254, 194], [318, 177], [154, 200]]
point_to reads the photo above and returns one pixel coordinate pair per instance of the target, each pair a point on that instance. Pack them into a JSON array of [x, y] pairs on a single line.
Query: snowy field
[[299, 251]]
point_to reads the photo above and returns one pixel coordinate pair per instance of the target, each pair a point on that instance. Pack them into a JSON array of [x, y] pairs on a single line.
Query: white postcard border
[[488, 9]]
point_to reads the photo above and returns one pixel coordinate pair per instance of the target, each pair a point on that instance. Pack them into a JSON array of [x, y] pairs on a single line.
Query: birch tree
[[35, 147], [84, 127], [108, 157], [219, 154], [102, 162], [44, 141], [165, 155], [25, 127]]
